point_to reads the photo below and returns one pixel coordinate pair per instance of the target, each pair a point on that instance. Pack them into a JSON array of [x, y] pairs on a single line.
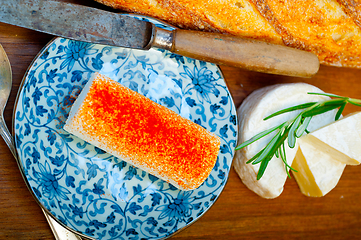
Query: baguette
[[147, 135], [328, 28]]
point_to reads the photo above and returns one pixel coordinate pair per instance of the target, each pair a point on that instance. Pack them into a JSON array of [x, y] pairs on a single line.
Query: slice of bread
[[149, 136]]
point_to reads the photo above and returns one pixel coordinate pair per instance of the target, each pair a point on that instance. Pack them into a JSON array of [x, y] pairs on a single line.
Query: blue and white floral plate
[[91, 192]]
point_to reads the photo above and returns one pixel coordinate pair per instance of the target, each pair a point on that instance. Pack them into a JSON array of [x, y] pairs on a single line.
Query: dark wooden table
[[238, 213]]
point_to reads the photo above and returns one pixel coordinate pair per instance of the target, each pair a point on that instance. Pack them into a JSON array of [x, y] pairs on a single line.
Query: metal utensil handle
[[6, 135]]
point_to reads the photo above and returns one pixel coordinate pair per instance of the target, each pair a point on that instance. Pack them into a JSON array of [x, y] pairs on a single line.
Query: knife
[[93, 25]]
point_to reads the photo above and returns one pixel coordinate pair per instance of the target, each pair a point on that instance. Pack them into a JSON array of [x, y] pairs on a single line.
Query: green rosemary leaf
[[291, 168], [268, 149], [282, 150], [291, 133], [263, 167], [320, 109], [354, 101], [277, 153], [255, 156], [287, 166], [333, 102], [285, 161], [283, 137], [258, 136], [303, 127], [339, 112], [328, 95], [273, 148], [290, 109]]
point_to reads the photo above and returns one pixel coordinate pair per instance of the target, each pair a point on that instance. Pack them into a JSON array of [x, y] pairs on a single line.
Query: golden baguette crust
[[328, 28], [236, 17], [155, 8], [149, 136], [353, 9], [318, 26]]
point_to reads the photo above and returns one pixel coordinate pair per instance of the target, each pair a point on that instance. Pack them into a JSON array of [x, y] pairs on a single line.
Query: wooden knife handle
[[244, 53]]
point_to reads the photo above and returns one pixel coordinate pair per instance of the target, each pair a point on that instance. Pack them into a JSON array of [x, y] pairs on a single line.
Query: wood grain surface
[[238, 213]]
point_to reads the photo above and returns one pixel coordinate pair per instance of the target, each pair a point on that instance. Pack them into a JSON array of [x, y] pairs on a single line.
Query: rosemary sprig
[[293, 129]]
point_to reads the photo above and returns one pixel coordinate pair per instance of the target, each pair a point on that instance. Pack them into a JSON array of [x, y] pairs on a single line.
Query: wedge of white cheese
[[251, 113], [318, 171], [341, 139]]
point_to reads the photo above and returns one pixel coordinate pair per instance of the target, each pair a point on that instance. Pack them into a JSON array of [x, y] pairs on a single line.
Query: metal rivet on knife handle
[[162, 38]]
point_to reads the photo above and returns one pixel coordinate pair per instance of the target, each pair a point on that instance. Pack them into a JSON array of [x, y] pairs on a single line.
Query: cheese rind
[[258, 105], [132, 127], [341, 138], [318, 171]]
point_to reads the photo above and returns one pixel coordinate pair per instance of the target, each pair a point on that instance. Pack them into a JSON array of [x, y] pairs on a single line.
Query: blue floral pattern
[[97, 194]]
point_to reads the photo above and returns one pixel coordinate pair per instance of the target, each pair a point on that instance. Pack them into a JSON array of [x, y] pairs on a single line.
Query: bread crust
[[328, 28], [353, 9], [318, 26], [236, 17]]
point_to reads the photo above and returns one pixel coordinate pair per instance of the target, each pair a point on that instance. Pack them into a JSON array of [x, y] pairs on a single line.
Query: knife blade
[[93, 25], [76, 22]]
